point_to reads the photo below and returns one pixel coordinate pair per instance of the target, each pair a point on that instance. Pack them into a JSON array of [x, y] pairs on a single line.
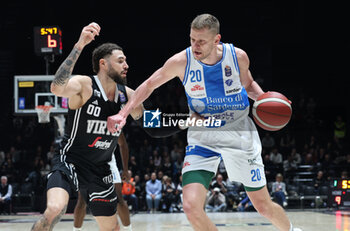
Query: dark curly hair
[[101, 52]]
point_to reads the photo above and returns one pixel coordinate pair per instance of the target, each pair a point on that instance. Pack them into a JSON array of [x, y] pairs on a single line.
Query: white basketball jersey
[[216, 90]]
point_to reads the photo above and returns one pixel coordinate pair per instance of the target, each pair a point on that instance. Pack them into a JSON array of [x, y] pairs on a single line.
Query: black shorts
[[57, 179], [95, 186]]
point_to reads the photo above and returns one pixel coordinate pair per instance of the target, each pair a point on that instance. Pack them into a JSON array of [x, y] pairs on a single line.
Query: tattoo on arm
[[66, 68]]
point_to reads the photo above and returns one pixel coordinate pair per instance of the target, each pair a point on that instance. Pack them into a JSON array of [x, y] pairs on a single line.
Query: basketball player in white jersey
[[217, 82]]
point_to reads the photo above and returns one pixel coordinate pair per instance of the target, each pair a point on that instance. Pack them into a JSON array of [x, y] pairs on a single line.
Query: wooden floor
[[248, 221]]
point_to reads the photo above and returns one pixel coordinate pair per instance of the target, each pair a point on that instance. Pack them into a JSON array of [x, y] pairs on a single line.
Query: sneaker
[[285, 204], [297, 229]]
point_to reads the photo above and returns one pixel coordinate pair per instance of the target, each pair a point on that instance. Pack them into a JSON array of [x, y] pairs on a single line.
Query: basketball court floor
[[247, 221]]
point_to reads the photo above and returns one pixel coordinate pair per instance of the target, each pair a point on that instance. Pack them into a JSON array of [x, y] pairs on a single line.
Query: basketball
[[272, 111]]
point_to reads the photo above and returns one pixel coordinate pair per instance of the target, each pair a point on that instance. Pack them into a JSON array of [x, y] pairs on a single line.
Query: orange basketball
[[272, 111]]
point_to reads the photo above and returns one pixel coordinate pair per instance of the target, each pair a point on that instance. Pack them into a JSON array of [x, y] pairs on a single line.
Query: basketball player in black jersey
[[122, 206], [82, 161]]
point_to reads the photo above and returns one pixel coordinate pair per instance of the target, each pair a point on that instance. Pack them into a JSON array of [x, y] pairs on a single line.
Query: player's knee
[[191, 210], [264, 209], [55, 209]]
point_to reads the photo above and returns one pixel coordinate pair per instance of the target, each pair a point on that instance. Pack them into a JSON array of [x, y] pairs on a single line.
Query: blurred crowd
[[310, 151]]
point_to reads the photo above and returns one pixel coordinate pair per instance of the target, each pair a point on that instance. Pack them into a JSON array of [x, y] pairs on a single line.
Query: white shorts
[[239, 147], [114, 170]]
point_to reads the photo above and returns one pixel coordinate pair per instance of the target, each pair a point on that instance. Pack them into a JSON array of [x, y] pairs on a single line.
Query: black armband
[[159, 132]]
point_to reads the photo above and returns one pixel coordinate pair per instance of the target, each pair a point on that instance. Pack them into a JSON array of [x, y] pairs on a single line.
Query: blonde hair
[[207, 21]]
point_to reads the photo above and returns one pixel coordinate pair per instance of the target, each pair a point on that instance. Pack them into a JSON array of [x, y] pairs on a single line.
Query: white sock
[[129, 228], [77, 229]]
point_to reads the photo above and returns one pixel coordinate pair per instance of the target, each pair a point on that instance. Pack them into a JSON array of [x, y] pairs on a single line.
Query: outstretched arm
[[175, 66], [59, 85]]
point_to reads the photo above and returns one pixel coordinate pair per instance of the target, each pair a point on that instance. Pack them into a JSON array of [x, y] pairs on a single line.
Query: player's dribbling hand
[[88, 34], [115, 123]]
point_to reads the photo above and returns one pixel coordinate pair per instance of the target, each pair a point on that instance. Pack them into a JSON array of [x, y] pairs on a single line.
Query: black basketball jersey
[[87, 141]]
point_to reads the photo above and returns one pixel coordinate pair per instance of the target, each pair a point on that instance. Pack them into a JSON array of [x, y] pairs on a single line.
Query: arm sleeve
[[9, 193], [147, 189]]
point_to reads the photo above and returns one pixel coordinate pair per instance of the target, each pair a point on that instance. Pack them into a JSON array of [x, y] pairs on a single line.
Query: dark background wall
[[295, 47]]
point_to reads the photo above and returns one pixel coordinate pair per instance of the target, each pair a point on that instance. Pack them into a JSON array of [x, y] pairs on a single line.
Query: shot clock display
[[339, 193], [47, 40]]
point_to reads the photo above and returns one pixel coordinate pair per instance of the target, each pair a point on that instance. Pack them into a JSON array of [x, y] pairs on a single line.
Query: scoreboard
[[339, 193], [47, 40]]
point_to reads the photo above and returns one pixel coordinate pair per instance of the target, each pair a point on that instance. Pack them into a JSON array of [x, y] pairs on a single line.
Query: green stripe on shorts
[[197, 176], [252, 189]]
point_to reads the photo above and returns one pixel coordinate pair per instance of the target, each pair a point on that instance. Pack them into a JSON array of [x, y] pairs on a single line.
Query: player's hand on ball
[[88, 34], [115, 123]]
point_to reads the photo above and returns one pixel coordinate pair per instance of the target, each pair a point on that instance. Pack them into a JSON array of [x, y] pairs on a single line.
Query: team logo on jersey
[[122, 97], [228, 71], [101, 144], [151, 118], [229, 82], [252, 161], [197, 88], [186, 164]]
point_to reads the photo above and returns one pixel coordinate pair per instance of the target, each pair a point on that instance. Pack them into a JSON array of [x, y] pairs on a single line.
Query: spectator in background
[[175, 152], [220, 184], [275, 156], [289, 166], [178, 194], [161, 177], [308, 160], [268, 142], [138, 189], [167, 167], [169, 195], [7, 168], [153, 193], [270, 168], [50, 154], [133, 165], [279, 190], [344, 174], [296, 156], [142, 197], [222, 169], [232, 195], [2, 157], [287, 141], [157, 159], [339, 129], [177, 166], [319, 181], [216, 201], [245, 205], [5, 196], [128, 191]]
